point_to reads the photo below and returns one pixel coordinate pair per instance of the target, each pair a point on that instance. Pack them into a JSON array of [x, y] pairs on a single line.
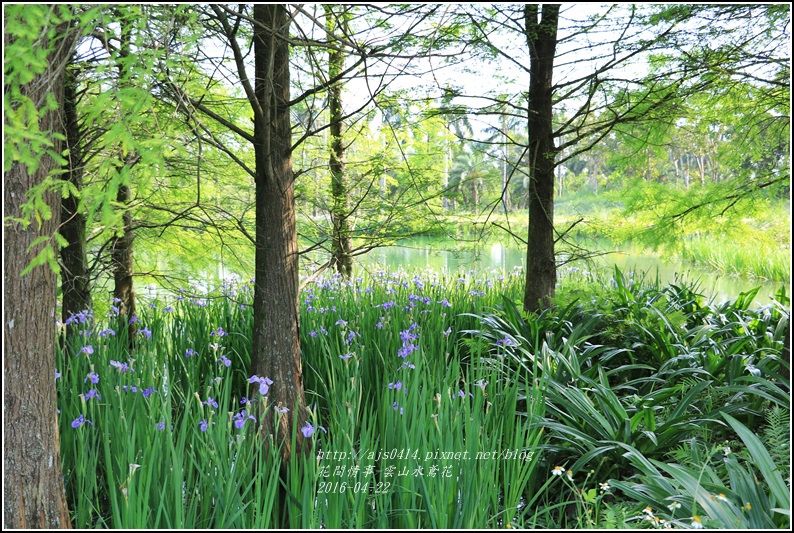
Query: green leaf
[[46, 255], [764, 462], [60, 239]]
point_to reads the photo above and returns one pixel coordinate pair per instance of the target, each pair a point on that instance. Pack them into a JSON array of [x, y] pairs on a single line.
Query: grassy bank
[[435, 404], [757, 246]]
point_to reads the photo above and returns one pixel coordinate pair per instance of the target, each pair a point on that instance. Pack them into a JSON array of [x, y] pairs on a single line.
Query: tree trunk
[[701, 159], [33, 489], [340, 237], [541, 267], [505, 193], [276, 344], [683, 170], [121, 253], [122, 247], [475, 196], [675, 167], [594, 173], [560, 182], [75, 287]]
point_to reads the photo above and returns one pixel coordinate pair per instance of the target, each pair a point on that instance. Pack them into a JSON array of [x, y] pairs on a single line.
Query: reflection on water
[[448, 257], [452, 257]]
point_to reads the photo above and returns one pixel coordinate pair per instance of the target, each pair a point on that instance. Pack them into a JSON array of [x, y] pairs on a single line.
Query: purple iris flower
[[507, 341], [407, 349], [308, 430], [79, 421], [264, 383], [92, 394], [241, 418], [122, 367], [350, 336]]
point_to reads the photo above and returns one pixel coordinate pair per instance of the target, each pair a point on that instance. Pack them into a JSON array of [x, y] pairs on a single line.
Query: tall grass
[[740, 257], [435, 402], [408, 433]]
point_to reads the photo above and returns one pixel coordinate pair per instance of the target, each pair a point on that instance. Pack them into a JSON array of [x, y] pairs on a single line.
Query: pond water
[[451, 256]]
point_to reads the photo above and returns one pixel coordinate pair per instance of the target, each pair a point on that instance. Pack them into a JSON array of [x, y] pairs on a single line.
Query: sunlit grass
[[742, 257]]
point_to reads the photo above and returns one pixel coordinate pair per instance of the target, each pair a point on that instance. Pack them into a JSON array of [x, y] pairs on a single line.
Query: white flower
[[673, 506], [557, 471], [604, 487], [697, 523]]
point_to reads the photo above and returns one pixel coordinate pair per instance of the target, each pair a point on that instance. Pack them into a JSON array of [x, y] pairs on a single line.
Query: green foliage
[[638, 367], [32, 37], [719, 489], [485, 378], [33, 32], [613, 382], [776, 438], [45, 256], [152, 465]]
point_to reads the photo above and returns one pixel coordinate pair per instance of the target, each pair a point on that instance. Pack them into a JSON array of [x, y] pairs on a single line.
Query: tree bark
[[122, 247], [475, 196], [340, 245], [75, 287], [276, 344], [541, 267], [121, 253], [33, 489], [505, 192]]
